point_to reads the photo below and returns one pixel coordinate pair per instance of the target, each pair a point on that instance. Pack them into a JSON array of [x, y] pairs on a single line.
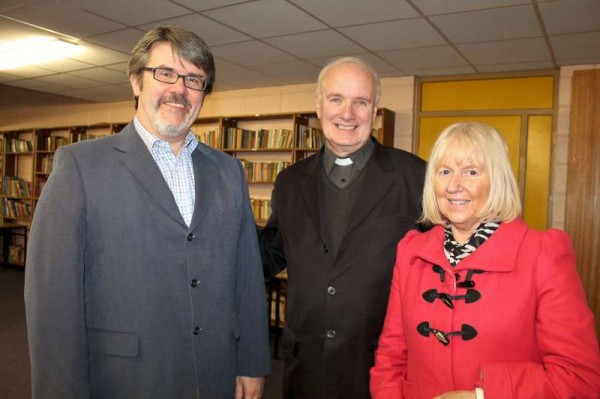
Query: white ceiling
[[280, 42]]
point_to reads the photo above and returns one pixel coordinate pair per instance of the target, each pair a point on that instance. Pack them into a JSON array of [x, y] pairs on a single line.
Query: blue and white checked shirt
[[177, 170]]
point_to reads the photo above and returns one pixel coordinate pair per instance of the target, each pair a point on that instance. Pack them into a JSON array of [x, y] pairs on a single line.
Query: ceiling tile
[[250, 53], [571, 16], [64, 65], [408, 33], [221, 64], [102, 75], [433, 7], [7, 77], [70, 81], [266, 18], [481, 26], [243, 78], [355, 12], [519, 66], [64, 18], [296, 40], [121, 40], [427, 57], [292, 72], [213, 33], [206, 4], [322, 44], [382, 67], [507, 51], [122, 67], [577, 48], [97, 55], [128, 12], [101, 94], [15, 30], [28, 72], [441, 71], [38, 85]]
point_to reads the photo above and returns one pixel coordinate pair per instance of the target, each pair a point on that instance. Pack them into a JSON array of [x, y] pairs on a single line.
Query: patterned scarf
[[456, 252]]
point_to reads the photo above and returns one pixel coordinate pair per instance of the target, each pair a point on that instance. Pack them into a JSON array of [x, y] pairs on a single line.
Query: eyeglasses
[[166, 75]]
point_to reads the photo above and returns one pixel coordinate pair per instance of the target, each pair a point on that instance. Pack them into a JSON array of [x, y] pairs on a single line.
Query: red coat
[[534, 332]]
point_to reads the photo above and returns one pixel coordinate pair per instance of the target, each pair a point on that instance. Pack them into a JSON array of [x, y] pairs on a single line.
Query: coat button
[[325, 248], [190, 237], [194, 283], [330, 334], [331, 290], [197, 330]]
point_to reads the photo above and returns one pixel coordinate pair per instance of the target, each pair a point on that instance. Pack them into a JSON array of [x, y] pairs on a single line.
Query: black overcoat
[[336, 307]]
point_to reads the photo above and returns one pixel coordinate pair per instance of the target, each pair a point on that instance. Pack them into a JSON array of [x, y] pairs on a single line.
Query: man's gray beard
[[168, 130]]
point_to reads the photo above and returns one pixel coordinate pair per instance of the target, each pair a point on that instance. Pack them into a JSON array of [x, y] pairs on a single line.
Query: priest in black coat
[[337, 218]]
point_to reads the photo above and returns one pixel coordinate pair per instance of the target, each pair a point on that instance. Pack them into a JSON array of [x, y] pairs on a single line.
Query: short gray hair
[[350, 60]]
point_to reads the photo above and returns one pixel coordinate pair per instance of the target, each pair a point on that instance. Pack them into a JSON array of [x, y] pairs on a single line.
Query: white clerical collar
[[343, 161]]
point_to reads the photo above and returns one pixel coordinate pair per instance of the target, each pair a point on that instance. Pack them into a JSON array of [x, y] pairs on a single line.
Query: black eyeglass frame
[[184, 77]]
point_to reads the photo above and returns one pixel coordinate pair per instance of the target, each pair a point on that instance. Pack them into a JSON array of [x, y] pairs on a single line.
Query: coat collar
[[497, 254], [139, 161], [374, 186]]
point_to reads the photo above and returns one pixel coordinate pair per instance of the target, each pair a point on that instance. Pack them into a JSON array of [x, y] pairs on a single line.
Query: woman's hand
[[457, 395]]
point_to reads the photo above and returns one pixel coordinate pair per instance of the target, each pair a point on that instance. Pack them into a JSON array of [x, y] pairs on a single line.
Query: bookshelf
[[264, 144]]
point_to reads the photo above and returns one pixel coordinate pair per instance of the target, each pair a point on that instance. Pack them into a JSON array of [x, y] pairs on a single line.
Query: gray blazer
[[123, 300]]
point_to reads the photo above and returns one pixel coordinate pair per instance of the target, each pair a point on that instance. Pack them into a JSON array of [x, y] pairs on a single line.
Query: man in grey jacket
[[143, 276]]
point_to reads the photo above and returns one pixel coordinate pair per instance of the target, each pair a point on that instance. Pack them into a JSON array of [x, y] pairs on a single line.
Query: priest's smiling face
[[346, 107]]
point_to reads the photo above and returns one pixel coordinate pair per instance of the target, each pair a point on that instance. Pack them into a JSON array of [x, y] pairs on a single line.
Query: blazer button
[[194, 283], [330, 334], [197, 330], [190, 237], [331, 290], [325, 248]]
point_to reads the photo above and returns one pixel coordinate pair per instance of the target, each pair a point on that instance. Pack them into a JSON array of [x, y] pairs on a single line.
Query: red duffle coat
[[534, 333]]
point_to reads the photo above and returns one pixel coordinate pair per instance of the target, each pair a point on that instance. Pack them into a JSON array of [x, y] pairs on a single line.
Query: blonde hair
[[478, 144]]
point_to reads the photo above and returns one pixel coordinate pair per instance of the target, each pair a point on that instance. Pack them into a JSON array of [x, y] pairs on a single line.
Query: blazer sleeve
[[54, 286], [387, 376], [271, 243], [253, 345], [564, 328]]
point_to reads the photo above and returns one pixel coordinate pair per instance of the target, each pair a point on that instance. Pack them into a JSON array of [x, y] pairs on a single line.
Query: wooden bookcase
[[265, 144]]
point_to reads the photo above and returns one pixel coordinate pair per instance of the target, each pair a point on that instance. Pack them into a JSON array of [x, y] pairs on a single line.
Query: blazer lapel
[[140, 163], [310, 190], [205, 178]]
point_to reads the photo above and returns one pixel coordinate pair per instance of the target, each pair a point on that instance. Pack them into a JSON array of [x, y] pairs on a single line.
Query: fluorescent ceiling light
[[34, 51]]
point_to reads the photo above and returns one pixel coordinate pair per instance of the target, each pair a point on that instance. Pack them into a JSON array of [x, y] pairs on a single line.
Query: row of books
[[16, 187], [211, 138], [51, 143], [17, 146], [236, 138], [261, 208], [309, 137], [15, 209], [87, 136], [45, 164], [263, 172]]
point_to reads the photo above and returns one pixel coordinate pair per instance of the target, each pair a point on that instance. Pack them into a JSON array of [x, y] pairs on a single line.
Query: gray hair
[[350, 60]]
